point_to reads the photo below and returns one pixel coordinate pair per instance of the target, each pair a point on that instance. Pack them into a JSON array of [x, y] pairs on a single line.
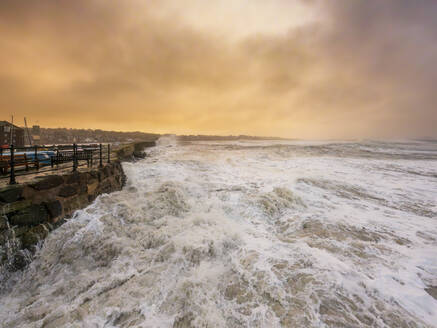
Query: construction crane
[[27, 132]]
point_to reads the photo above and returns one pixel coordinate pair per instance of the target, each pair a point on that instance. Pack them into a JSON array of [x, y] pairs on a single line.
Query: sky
[[301, 69]]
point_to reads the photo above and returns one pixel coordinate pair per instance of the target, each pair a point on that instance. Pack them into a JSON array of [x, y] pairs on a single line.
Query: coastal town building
[[36, 134], [11, 134]]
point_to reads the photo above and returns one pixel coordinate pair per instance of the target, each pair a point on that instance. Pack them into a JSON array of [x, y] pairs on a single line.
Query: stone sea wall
[[133, 150], [28, 212]]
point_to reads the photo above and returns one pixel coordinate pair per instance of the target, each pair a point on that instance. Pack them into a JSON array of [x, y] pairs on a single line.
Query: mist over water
[[245, 234]]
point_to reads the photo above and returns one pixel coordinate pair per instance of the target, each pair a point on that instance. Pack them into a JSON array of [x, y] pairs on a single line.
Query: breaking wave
[[247, 234]]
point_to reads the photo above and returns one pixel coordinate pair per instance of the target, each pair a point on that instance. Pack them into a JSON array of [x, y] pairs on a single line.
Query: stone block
[[11, 194], [32, 215], [54, 208], [76, 177], [93, 187], [48, 182], [72, 178], [68, 190]]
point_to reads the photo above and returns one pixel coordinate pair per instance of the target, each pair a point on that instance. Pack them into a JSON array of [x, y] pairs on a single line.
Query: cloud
[[361, 68]]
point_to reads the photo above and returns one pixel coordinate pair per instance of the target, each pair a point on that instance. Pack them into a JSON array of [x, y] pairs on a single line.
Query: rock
[[34, 235], [432, 291], [184, 321], [107, 171], [58, 222], [105, 187], [49, 226], [31, 215], [11, 193], [139, 154], [19, 261], [91, 198], [83, 188], [69, 190], [54, 208], [3, 237], [73, 178], [48, 182], [92, 187], [3, 223], [101, 175], [93, 174], [75, 203], [77, 177], [19, 231], [14, 207]]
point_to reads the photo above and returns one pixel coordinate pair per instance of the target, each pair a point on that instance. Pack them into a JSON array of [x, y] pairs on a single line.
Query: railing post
[[74, 157], [12, 176], [101, 159], [36, 157], [109, 153]]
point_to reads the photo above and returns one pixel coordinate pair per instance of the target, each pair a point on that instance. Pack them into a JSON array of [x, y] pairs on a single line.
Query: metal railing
[[20, 161]]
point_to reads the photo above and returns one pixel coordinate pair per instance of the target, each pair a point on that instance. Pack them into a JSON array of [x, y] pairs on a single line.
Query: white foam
[[234, 234]]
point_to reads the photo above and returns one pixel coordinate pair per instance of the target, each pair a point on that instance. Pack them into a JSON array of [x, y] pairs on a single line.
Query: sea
[[247, 233]]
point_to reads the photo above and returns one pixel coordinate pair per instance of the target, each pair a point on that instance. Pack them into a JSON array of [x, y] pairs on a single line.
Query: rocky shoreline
[[29, 211]]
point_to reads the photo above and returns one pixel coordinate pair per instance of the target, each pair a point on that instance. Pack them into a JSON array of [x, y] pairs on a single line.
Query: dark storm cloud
[[363, 68], [392, 46]]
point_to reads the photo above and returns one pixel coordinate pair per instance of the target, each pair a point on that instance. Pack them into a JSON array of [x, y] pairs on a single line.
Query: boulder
[[34, 235], [11, 193], [139, 154], [32, 215], [19, 261], [54, 208], [14, 207], [19, 231]]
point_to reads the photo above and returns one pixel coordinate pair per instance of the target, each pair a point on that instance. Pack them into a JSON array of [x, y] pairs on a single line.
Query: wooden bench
[[19, 160]]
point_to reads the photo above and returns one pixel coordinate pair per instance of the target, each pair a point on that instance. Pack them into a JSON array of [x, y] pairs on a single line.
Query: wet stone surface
[[30, 211]]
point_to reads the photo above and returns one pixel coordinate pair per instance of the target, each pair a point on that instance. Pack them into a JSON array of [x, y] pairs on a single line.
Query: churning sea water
[[245, 234]]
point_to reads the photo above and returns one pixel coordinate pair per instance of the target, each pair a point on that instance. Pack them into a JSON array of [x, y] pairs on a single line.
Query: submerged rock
[[432, 291]]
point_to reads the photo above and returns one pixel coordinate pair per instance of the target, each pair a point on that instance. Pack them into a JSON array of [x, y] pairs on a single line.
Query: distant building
[[11, 134], [36, 130], [36, 134]]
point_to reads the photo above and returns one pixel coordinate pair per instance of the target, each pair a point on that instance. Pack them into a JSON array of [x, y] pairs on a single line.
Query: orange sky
[[304, 68]]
